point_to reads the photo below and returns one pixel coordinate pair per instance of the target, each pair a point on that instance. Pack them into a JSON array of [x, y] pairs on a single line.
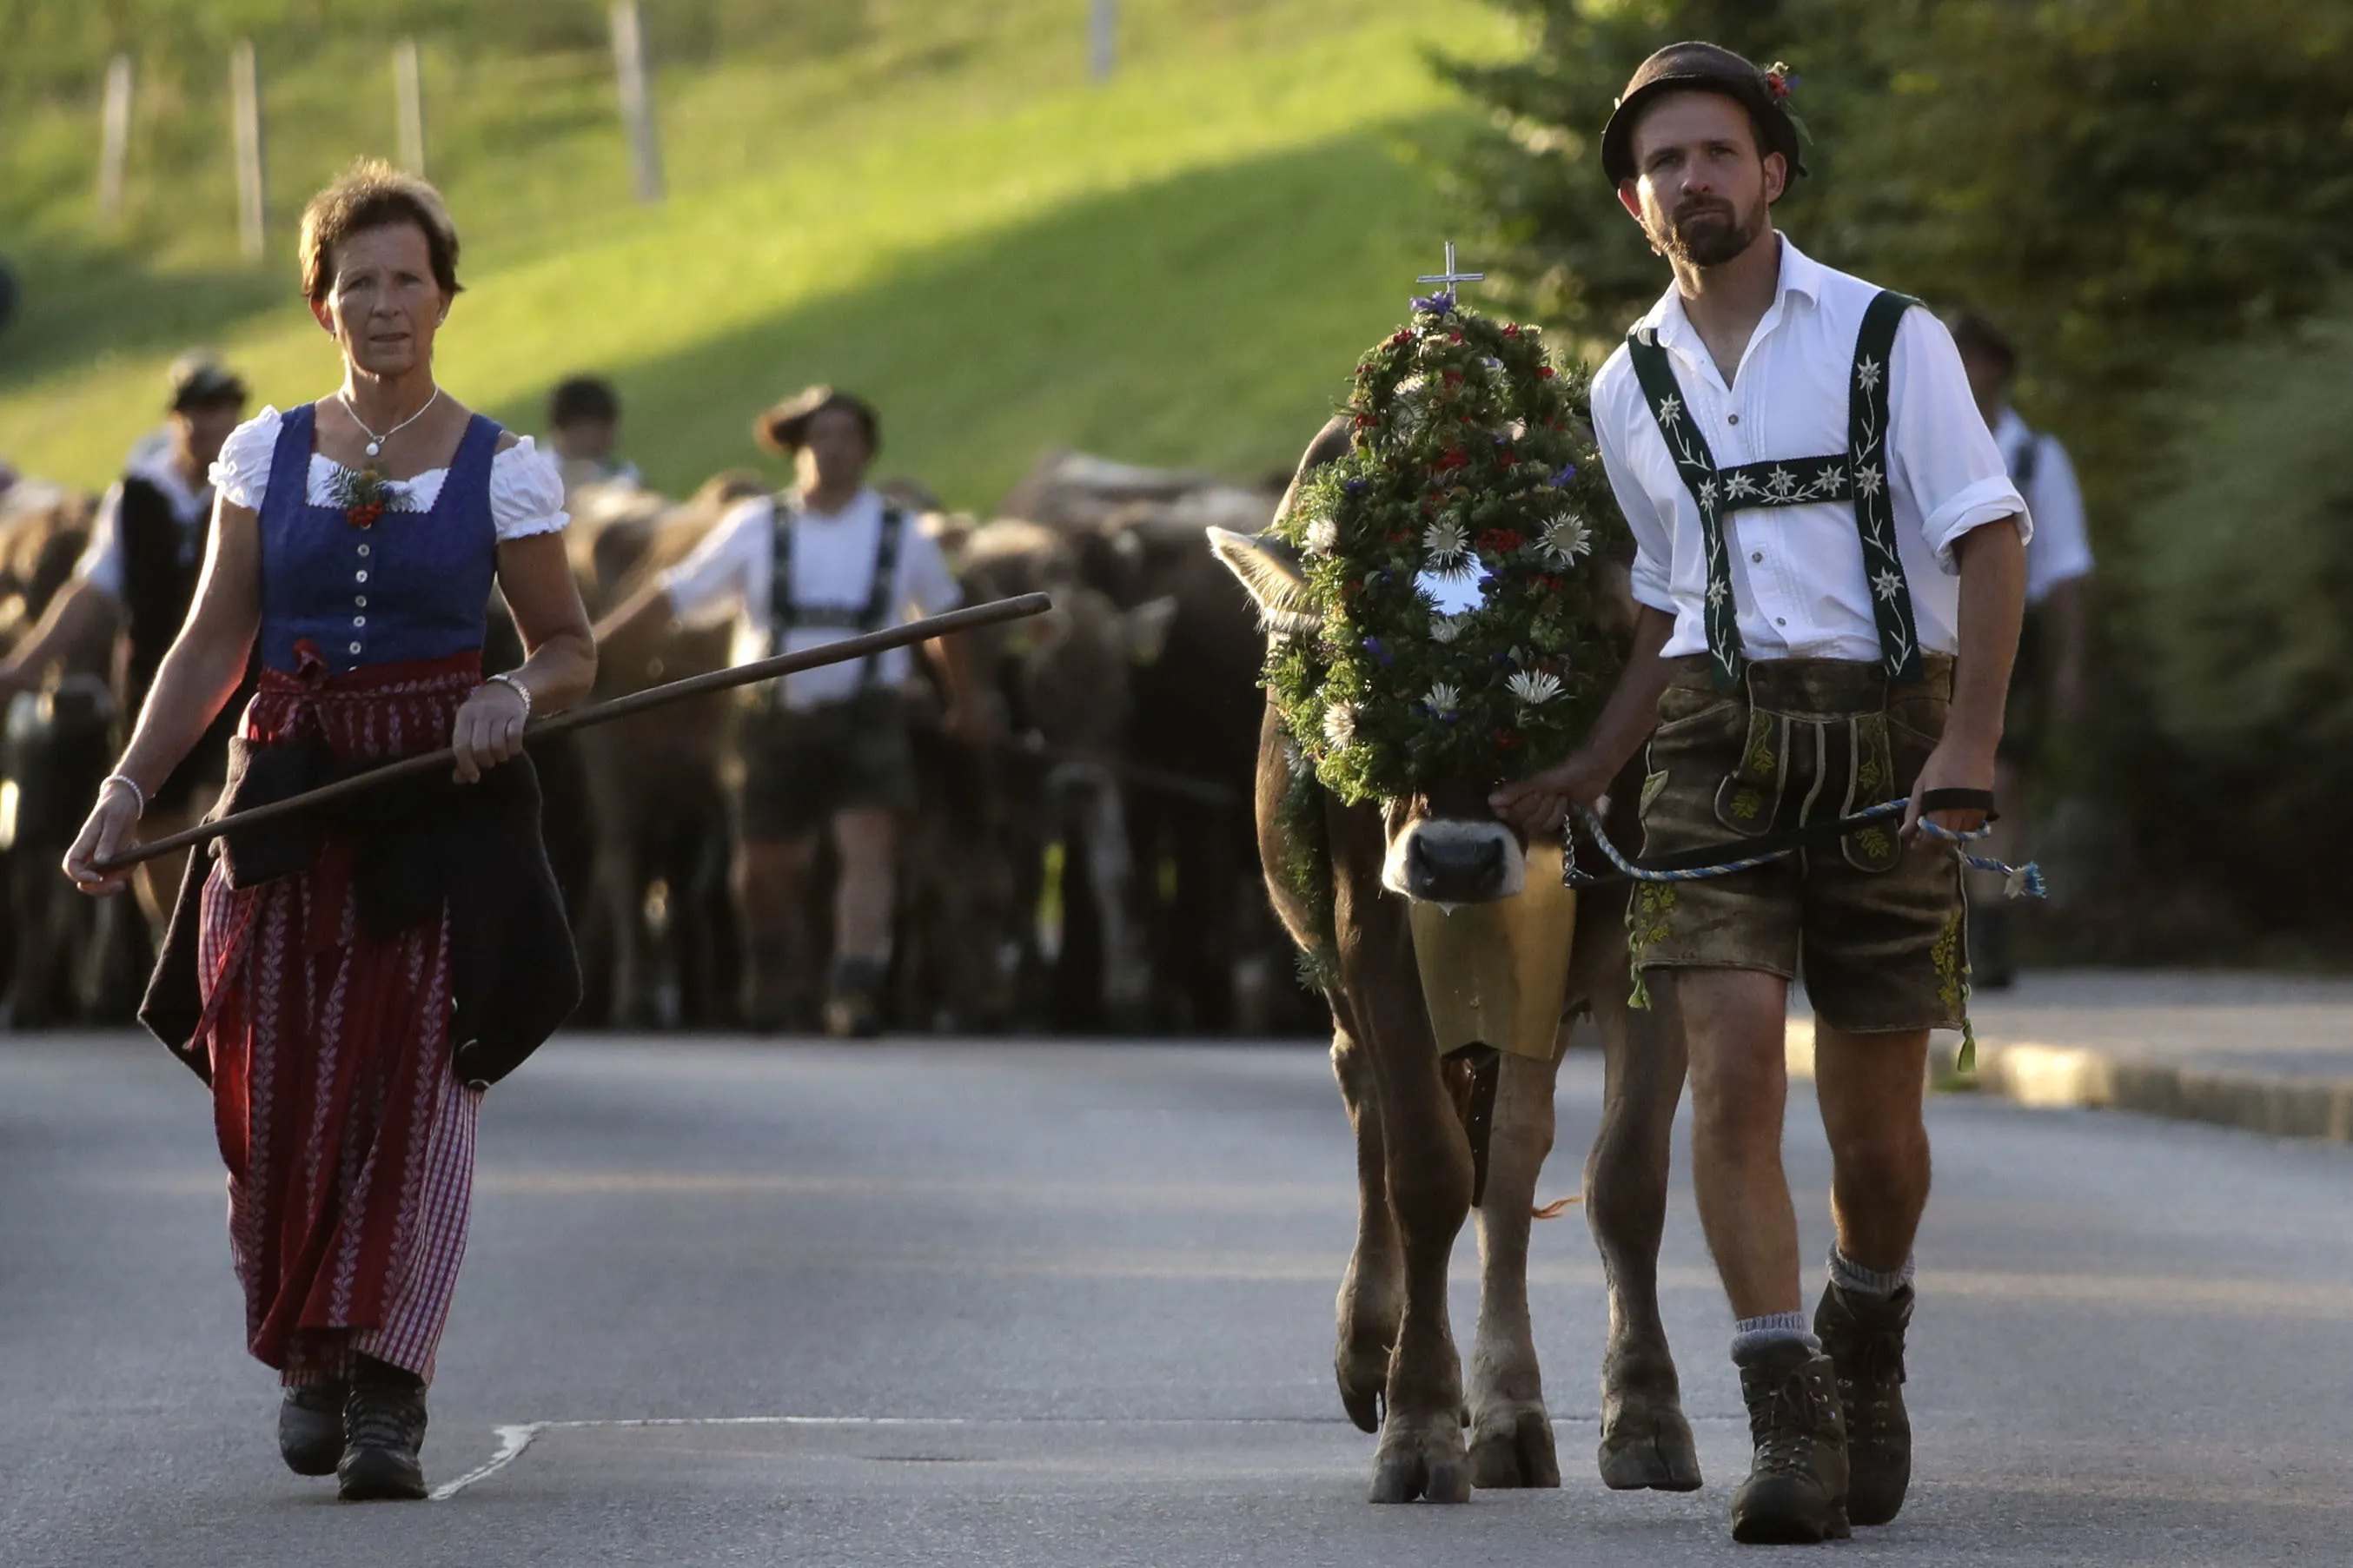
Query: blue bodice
[[416, 585]]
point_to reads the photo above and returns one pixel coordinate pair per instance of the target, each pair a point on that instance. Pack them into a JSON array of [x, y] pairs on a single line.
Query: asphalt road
[[1062, 1304]]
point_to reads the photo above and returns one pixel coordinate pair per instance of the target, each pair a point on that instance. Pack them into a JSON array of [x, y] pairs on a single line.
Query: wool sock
[[1750, 1335], [1856, 1281]]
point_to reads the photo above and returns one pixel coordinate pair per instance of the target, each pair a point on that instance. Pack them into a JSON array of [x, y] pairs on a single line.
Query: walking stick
[[994, 613]]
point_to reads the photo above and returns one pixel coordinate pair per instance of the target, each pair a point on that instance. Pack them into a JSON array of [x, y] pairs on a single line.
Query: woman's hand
[[489, 730], [113, 828]]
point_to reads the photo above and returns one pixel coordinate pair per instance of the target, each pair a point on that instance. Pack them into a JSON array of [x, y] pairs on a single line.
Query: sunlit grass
[[1177, 267]]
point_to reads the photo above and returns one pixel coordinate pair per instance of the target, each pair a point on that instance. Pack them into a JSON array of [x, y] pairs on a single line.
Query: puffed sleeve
[[241, 473], [526, 493]]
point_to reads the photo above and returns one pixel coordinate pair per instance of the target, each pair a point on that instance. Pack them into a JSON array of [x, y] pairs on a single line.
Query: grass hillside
[[935, 207]]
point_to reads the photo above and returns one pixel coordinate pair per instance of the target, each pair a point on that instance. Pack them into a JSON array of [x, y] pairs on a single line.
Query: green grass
[[1179, 266]]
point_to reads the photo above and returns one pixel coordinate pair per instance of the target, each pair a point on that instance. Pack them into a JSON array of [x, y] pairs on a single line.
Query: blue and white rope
[[2018, 881]]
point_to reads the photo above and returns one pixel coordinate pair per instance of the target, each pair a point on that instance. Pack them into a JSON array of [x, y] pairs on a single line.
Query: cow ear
[[1271, 575], [1145, 628]]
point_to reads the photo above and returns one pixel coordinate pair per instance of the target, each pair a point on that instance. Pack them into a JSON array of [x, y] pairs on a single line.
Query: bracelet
[[519, 689], [127, 782]]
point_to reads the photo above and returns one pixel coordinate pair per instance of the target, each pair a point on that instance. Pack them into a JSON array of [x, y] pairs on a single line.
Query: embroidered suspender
[[1860, 472], [785, 614]]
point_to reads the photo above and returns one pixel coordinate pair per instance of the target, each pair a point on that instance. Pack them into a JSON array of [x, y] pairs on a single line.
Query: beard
[[1708, 234]]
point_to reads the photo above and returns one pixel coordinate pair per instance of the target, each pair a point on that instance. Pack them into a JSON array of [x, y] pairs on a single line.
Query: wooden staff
[[994, 613]]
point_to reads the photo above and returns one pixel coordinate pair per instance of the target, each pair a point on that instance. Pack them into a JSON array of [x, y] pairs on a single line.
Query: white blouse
[[526, 490]]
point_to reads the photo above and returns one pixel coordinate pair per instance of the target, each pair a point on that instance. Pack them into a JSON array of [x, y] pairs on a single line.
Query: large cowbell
[[1496, 974]]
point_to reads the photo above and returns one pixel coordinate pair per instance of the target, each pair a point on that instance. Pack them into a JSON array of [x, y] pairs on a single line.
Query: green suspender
[[1860, 471], [786, 612], [1874, 500]]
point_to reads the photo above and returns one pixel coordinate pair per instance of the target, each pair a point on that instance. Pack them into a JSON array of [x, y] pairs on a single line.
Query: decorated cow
[[1438, 602]]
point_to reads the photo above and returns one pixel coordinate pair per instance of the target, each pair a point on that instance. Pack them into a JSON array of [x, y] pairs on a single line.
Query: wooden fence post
[[252, 205], [114, 138], [637, 98], [1103, 39], [409, 94]]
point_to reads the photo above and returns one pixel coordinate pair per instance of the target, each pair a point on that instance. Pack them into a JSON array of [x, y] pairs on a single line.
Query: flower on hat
[[1782, 81]]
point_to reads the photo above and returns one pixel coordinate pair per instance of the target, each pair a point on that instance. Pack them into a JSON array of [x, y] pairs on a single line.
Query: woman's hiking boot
[[384, 1426], [1796, 1490], [310, 1426], [1863, 1335]]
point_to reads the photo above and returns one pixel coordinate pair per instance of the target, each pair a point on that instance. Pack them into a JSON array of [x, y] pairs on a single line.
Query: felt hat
[[200, 381], [785, 428], [1695, 66]]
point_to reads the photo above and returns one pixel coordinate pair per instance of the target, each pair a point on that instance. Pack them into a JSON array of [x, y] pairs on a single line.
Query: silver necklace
[[376, 442]]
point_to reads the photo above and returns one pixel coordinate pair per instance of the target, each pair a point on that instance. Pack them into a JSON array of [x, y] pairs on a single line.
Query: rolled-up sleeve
[[715, 581], [1940, 453], [1615, 406]]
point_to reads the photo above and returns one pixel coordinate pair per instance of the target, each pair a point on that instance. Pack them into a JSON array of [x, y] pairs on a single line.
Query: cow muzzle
[[1448, 860]]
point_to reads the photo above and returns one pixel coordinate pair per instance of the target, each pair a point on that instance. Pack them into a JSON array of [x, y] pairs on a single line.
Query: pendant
[[374, 448]]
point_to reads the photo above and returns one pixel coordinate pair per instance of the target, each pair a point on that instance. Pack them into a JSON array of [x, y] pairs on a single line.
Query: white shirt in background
[[100, 562], [730, 573], [2060, 550], [1798, 578]]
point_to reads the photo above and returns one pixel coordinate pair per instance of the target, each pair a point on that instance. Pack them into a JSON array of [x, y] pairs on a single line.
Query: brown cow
[[1415, 1160]]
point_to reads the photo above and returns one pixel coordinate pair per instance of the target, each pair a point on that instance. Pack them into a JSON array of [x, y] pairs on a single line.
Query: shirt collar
[[866, 501], [1802, 275], [158, 469]]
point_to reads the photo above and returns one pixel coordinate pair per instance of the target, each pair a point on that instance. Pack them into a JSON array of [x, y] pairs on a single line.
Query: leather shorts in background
[[801, 766], [1877, 926]]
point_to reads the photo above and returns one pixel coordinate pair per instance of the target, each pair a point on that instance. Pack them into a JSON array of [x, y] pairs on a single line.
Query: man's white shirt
[[1797, 581], [100, 562], [2061, 547], [729, 576]]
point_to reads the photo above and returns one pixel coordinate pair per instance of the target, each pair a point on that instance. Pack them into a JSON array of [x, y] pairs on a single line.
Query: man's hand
[[1539, 803], [1958, 763]]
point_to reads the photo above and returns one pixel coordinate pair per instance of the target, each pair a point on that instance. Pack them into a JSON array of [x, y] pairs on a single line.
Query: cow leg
[[1645, 1441], [1372, 1295], [1511, 1431], [1427, 1158]]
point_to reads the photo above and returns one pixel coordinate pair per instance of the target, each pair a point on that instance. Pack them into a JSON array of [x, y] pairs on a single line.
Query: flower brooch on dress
[[366, 494]]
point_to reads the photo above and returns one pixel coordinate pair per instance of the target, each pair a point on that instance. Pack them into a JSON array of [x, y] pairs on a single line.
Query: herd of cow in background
[[1096, 872]]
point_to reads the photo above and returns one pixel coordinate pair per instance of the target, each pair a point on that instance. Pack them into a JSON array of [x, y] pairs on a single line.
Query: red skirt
[[349, 1142]]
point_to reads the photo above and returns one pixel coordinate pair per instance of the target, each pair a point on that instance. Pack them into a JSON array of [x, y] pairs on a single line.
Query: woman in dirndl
[[349, 1003]]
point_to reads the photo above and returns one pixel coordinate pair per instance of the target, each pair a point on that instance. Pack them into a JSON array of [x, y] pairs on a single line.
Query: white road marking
[[514, 1440]]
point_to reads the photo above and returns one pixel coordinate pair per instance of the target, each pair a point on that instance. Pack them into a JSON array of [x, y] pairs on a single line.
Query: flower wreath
[[1453, 557]]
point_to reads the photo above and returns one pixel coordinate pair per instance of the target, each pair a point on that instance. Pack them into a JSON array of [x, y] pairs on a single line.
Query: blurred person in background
[[137, 578], [349, 990], [584, 423], [2048, 688], [825, 753]]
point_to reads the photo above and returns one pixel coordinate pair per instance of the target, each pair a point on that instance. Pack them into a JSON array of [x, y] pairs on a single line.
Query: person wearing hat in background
[[826, 751], [584, 425], [2047, 690], [138, 575], [1831, 561]]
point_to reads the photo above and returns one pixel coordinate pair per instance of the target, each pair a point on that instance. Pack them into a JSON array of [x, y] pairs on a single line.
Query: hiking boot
[[1796, 1490], [854, 1009], [1863, 1335], [384, 1426], [310, 1427]]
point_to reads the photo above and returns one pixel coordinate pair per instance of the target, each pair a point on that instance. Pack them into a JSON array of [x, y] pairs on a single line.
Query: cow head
[[1445, 844]]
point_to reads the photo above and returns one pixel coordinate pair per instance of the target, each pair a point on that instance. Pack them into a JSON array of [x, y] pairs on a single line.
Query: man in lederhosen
[[825, 753], [139, 573], [1831, 563], [2048, 688]]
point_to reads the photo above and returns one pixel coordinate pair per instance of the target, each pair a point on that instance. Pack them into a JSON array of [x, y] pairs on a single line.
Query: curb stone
[[2050, 1077]]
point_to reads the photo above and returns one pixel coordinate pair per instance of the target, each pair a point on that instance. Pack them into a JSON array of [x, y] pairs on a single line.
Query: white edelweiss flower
[[1322, 536], [1444, 629], [1867, 479], [1887, 584], [1670, 410], [1565, 538], [1446, 541], [1443, 698], [1866, 374], [1340, 725], [1535, 687]]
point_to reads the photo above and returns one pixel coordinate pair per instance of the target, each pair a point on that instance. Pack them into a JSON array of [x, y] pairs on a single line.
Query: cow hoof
[[1427, 1466], [1512, 1450], [1663, 1458], [1364, 1380]]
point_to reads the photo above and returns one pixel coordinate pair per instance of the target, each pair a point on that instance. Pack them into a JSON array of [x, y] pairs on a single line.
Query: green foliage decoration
[[1452, 555]]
